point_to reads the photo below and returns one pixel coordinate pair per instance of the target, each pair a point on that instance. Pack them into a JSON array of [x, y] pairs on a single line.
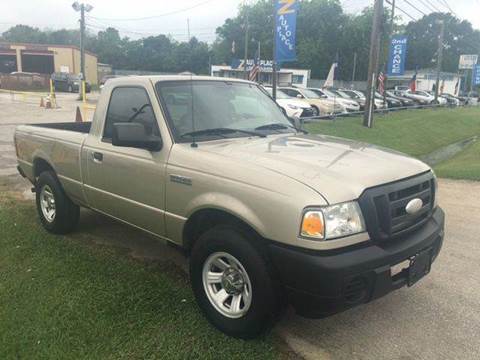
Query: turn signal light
[[312, 225]]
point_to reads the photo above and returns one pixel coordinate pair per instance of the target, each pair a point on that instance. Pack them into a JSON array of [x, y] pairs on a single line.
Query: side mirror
[[134, 135], [296, 122], [299, 96]]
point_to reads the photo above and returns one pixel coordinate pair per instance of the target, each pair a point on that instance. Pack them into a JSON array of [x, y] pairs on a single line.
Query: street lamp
[[82, 8]]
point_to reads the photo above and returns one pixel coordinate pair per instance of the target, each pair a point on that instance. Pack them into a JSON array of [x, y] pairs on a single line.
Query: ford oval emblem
[[414, 206]]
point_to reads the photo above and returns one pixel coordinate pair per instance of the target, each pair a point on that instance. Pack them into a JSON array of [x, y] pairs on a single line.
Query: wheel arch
[[40, 165], [206, 218]]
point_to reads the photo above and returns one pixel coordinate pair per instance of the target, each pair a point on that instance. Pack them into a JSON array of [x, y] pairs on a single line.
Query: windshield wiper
[[279, 126], [273, 126], [221, 131]]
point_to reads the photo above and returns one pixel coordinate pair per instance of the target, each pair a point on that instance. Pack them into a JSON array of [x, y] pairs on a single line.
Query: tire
[[260, 294], [64, 216], [316, 111]]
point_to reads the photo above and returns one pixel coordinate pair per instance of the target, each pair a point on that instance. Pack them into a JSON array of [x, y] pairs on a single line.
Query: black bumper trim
[[21, 172], [319, 285]]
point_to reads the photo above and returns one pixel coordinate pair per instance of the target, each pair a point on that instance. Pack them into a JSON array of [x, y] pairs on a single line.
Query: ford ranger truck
[[268, 214]]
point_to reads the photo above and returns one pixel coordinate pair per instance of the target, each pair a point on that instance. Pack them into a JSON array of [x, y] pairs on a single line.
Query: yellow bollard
[[84, 96], [53, 99]]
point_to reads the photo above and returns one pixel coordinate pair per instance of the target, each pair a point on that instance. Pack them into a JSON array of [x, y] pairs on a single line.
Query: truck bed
[[57, 144]]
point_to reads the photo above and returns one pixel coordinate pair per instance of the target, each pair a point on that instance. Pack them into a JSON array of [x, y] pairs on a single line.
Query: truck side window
[[130, 104]]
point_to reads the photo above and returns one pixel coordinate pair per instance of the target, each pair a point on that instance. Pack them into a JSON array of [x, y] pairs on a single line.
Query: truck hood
[[338, 169]]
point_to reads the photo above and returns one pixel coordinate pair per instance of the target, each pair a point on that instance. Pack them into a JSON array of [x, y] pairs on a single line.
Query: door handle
[[97, 157]]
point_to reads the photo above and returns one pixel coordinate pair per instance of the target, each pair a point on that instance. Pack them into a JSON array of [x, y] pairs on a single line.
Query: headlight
[[293, 107], [76, 83], [332, 222]]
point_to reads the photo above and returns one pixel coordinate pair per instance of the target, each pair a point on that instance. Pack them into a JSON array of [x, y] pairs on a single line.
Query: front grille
[[384, 207]]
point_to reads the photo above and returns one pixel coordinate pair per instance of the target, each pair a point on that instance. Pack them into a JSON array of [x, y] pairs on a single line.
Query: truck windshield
[[195, 106]]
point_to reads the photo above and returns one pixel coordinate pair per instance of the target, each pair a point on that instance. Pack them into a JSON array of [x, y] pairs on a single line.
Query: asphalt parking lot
[[438, 318]]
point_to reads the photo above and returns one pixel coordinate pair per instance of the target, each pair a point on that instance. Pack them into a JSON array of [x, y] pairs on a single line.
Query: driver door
[[125, 182]]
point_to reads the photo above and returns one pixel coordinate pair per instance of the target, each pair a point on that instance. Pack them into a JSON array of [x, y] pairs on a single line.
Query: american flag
[[381, 82], [256, 68], [413, 82]]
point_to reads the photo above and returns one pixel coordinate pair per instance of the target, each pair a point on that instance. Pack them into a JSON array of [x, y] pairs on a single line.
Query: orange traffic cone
[[42, 104], [78, 116]]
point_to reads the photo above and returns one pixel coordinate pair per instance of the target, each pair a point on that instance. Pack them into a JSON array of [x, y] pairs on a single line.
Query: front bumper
[[319, 284]]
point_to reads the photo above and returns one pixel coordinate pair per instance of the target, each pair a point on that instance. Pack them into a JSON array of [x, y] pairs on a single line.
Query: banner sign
[[467, 62], [265, 65], [476, 75], [397, 55], [285, 30]]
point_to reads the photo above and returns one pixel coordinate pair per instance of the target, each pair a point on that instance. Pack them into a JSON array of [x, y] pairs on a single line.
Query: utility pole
[[354, 67], [274, 62], [245, 75], [440, 57], [188, 29], [392, 19], [82, 8], [387, 49], [259, 58], [373, 63]]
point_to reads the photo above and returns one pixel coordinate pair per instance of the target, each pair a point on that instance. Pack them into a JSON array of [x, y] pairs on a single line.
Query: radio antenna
[[194, 144]]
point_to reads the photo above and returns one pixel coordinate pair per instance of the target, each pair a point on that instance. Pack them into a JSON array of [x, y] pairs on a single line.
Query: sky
[[171, 16]]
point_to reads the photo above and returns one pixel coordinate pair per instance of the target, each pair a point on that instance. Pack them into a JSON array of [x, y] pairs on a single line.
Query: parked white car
[[293, 107], [424, 97], [349, 105], [321, 105]]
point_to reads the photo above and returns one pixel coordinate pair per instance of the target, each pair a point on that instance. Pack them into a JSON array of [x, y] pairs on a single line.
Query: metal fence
[[333, 117]]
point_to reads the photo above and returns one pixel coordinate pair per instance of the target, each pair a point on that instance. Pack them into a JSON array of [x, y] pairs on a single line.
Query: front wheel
[[316, 111], [232, 283]]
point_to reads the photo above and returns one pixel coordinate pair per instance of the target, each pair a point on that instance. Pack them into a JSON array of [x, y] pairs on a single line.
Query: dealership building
[[46, 59], [285, 77], [426, 80]]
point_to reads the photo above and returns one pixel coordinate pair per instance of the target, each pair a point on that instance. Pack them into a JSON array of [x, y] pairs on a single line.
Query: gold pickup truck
[[268, 214]]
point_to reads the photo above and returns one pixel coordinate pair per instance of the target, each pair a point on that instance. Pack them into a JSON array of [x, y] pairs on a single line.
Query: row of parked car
[[308, 102]]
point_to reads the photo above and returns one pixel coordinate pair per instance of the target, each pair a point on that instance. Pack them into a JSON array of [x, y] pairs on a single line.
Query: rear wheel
[[58, 214], [232, 282]]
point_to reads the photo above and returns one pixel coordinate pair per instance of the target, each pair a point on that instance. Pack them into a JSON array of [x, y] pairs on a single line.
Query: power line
[[426, 5], [104, 24], [156, 16], [433, 6], [208, 35], [416, 8], [401, 10]]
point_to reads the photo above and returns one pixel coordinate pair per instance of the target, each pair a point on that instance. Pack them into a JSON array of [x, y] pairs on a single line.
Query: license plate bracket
[[420, 266]]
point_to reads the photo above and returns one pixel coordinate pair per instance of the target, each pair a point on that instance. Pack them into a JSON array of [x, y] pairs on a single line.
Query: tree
[[24, 34], [323, 31], [325, 34], [460, 38]]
